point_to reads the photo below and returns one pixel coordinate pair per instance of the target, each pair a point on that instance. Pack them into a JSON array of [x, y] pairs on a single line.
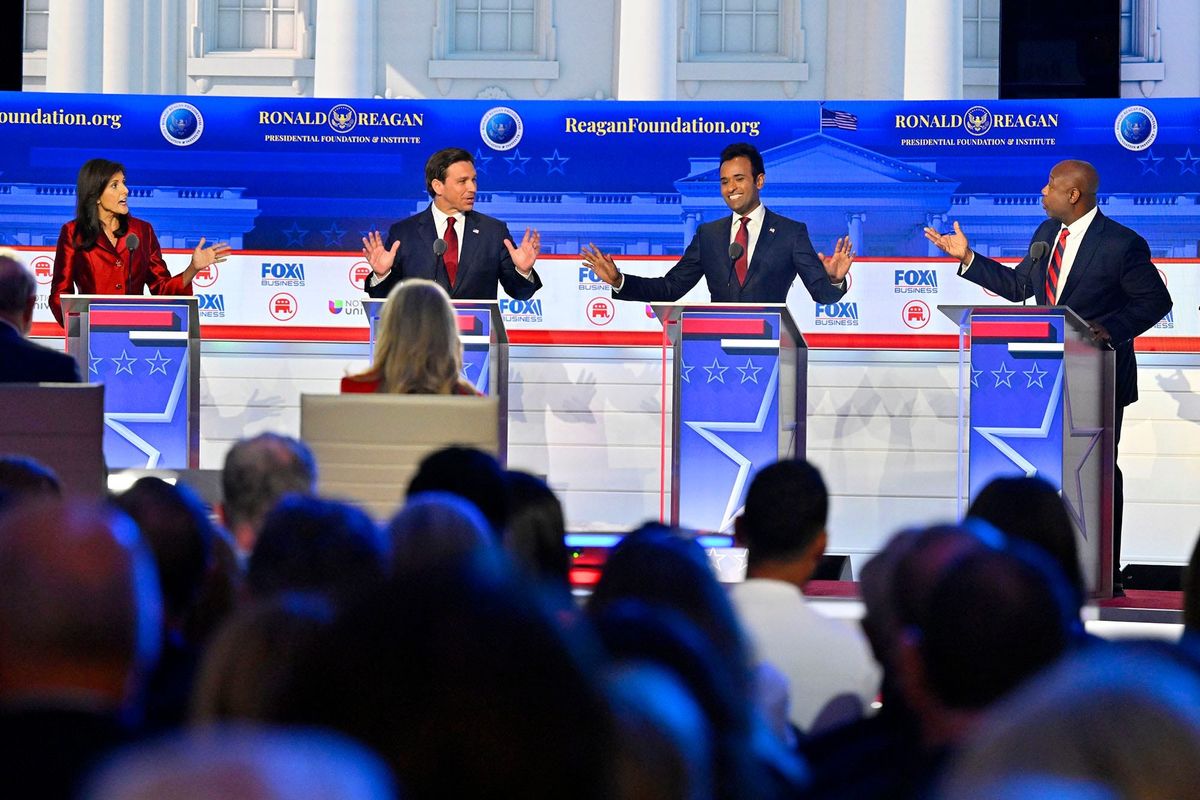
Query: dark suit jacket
[[1112, 282], [782, 252], [22, 361], [483, 260]]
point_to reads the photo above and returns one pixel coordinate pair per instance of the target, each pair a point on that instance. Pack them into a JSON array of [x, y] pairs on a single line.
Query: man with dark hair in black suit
[[22, 361], [451, 243], [1095, 265], [752, 256]]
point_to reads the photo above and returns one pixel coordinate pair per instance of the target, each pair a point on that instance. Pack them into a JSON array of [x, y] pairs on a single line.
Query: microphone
[[735, 252], [439, 250], [1037, 251], [132, 241]]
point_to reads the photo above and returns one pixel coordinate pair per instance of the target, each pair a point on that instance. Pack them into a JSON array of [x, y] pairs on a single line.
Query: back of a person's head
[[23, 478], [994, 620], [78, 589], [1191, 591], [176, 527], [17, 286], [260, 470], [786, 509], [248, 665], [1031, 509], [435, 528], [418, 349], [469, 473], [536, 531], [311, 544], [466, 684], [1124, 716], [657, 566], [245, 763]]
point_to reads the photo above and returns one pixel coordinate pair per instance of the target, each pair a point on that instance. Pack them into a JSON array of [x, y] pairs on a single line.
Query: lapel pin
[[475, 230], [770, 230]]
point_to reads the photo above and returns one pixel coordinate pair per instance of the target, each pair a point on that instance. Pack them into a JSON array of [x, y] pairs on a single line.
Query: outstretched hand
[[381, 260], [838, 264], [523, 257], [204, 257], [953, 244], [602, 265]]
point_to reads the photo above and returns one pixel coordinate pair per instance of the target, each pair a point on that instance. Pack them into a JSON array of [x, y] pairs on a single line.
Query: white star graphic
[[1075, 505], [95, 363], [716, 372], [685, 372], [997, 435], [158, 363], [975, 373], [749, 372], [1003, 376], [115, 419], [124, 363], [1035, 376]]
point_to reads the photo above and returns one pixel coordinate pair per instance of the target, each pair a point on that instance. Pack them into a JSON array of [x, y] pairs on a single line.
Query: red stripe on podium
[[981, 329], [132, 318], [724, 327]]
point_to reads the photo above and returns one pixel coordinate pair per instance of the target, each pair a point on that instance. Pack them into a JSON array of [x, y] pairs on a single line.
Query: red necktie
[[1055, 266], [741, 265], [451, 256]]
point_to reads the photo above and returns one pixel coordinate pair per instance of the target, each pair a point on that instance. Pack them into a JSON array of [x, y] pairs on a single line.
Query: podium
[[485, 350], [146, 352], [739, 400], [1041, 402]]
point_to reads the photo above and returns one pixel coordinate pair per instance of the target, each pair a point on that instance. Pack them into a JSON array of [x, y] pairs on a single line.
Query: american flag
[[843, 120]]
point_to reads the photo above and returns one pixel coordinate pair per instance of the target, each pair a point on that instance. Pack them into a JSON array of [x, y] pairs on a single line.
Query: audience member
[[80, 622], [436, 528], [176, 527], [417, 346], [315, 545], [1031, 509], [22, 361], [220, 589], [245, 763], [252, 657], [258, 472], [1123, 719], [536, 532], [831, 674], [466, 685], [471, 474], [24, 478]]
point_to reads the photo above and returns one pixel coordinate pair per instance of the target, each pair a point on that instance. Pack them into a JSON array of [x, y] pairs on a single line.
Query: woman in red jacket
[[104, 250], [417, 349]]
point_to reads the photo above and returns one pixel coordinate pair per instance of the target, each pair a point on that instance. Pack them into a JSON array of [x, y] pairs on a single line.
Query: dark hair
[[535, 533], [93, 178], [786, 508], [22, 477], [309, 544], [17, 285], [439, 162], [260, 470], [469, 473], [1191, 590], [746, 150], [1031, 509], [175, 524]]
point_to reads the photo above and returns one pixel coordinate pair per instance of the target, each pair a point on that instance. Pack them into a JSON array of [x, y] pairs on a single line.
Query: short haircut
[[1191, 590], [259, 471], [745, 150], [439, 162], [469, 473], [17, 286], [786, 508], [22, 477], [535, 533]]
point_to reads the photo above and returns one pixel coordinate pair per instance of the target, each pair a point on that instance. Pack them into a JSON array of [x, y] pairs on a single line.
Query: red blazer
[[368, 384], [105, 269]]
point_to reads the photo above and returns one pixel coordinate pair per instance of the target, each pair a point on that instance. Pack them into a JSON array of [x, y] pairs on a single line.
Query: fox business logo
[[282, 274], [212, 306], [1167, 322], [521, 310], [916, 281], [589, 281], [837, 314], [976, 120], [343, 118], [351, 308]]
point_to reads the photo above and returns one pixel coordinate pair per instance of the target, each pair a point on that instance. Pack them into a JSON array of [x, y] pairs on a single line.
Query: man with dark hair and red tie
[[451, 243], [1095, 265], [753, 256]]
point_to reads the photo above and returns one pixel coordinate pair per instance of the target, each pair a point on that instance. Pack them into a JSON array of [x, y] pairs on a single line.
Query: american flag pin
[[770, 230], [474, 230]]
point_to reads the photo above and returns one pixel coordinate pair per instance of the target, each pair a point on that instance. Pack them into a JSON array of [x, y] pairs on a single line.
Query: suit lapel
[[470, 251], [766, 240], [1083, 258], [427, 230]]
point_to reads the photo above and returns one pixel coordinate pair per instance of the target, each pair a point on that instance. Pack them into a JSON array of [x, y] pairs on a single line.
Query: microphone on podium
[[132, 241], [439, 250], [1037, 251], [735, 252]]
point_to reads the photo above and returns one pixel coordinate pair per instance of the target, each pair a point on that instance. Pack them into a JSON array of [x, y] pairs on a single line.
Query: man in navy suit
[[22, 361], [1095, 265], [752, 256], [451, 243]]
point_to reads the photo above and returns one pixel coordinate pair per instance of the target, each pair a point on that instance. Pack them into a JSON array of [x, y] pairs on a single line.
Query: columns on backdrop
[[933, 50], [345, 49], [648, 50]]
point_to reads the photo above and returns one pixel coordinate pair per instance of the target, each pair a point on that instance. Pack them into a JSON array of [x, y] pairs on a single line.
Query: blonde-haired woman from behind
[[417, 348]]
